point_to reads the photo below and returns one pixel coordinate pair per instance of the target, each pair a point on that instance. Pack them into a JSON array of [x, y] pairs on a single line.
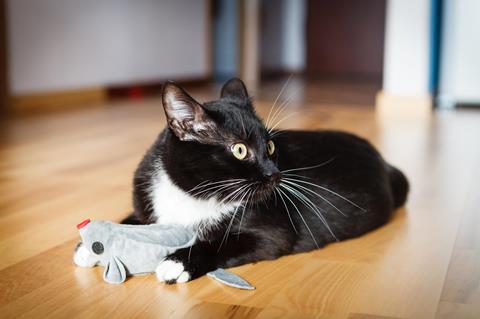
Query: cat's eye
[[239, 150], [270, 147]]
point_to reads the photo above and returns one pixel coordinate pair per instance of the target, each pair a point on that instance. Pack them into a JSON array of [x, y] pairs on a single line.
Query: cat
[[252, 193]]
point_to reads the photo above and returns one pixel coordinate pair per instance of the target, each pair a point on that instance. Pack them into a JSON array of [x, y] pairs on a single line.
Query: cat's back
[[346, 171], [307, 146], [335, 159]]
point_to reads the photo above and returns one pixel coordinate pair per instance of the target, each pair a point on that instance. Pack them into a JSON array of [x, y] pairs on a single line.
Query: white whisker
[[276, 99], [225, 236], [283, 119], [199, 185], [243, 127], [249, 196], [309, 204], [217, 189], [224, 189], [308, 167], [327, 190], [288, 211], [312, 192], [207, 183], [284, 105], [196, 235], [303, 219], [235, 194], [297, 175], [277, 132]]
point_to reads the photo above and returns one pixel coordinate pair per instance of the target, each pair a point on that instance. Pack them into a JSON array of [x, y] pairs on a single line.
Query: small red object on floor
[[83, 224]]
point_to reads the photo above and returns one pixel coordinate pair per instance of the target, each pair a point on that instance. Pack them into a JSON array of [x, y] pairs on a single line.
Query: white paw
[[83, 258], [171, 271]]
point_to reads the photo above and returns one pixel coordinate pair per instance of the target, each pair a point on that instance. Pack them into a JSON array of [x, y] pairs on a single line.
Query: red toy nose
[[83, 224]]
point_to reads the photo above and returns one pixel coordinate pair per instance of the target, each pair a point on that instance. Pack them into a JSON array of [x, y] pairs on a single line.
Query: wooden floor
[[57, 170]]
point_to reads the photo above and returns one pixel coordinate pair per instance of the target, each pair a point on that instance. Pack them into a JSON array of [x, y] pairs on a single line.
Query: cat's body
[[253, 194], [166, 191]]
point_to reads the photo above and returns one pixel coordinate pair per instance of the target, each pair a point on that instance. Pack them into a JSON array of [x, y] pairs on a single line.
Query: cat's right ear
[[185, 116]]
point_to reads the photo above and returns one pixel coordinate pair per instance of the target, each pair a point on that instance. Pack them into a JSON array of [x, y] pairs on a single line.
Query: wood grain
[[57, 170]]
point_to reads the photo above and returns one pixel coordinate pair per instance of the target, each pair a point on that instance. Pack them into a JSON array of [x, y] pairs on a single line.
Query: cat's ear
[[185, 116], [234, 89]]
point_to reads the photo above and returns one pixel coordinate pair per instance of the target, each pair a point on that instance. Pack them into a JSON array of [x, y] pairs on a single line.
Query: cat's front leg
[[186, 264], [204, 256]]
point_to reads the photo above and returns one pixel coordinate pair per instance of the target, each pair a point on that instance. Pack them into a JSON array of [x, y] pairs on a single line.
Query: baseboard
[[89, 97], [60, 100], [145, 89], [398, 106]]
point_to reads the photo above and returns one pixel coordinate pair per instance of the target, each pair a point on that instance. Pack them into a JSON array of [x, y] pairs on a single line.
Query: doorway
[[345, 38]]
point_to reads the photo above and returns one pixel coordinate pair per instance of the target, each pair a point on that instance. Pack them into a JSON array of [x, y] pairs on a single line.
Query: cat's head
[[220, 148]]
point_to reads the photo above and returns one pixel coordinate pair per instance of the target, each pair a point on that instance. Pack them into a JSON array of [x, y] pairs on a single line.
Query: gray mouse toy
[[126, 250]]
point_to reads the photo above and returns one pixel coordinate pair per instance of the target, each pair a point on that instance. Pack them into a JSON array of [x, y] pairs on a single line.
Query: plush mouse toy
[[138, 249]]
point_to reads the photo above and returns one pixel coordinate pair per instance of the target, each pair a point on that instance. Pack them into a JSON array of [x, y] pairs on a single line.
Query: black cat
[[252, 194]]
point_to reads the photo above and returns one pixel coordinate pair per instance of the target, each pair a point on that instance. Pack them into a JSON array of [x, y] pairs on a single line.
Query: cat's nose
[[272, 175]]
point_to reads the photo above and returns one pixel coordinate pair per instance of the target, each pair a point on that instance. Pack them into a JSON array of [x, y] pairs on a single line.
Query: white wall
[[67, 44], [460, 63], [283, 35], [406, 62]]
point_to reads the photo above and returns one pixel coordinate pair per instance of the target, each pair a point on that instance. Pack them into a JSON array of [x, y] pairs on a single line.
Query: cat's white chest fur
[[172, 205]]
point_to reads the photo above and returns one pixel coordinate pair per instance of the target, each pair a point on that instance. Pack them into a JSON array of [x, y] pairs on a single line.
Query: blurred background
[[60, 54]]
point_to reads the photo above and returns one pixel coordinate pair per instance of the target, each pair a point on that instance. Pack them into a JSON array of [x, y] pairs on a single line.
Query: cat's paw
[[83, 257], [172, 271]]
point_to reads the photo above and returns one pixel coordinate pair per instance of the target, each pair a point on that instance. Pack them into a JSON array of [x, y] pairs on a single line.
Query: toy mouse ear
[[115, 272]]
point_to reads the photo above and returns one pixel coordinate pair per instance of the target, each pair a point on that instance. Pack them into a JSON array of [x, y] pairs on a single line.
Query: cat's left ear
[[185, 116], [234, 89]]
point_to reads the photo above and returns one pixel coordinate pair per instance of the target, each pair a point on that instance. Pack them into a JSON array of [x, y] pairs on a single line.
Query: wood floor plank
[[461, 291]]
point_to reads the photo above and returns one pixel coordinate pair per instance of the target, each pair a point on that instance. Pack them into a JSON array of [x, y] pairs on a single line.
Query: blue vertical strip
[[436, 11], [225, 40]]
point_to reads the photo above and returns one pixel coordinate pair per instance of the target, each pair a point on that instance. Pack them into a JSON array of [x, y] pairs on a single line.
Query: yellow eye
[[270, 147], [239, 150]]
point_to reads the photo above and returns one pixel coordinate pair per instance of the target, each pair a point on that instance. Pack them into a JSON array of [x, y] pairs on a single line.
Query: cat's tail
[[399, 184]]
